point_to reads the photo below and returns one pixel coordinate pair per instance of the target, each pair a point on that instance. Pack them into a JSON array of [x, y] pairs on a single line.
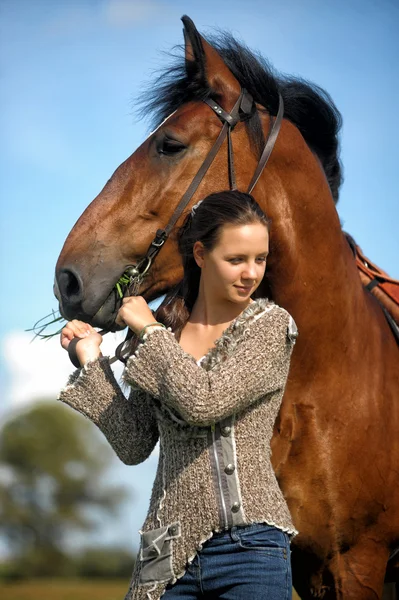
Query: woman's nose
[[249, 271]]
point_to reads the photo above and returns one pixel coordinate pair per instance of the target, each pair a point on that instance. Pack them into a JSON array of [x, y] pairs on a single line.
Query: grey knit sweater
[[214, 422]]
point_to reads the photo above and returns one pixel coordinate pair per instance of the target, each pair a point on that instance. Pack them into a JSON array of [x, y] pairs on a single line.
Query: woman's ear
[[199, 253]]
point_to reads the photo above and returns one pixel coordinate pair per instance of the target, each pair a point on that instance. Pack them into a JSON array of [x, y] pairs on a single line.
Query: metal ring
[[134, 270], [148, 265]]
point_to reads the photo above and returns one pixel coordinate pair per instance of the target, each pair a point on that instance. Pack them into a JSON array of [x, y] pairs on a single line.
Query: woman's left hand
[[135, 313]]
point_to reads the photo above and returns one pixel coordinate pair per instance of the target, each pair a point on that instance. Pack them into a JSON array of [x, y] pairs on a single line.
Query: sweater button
[[236, 507], [225, 431], [229, 469]]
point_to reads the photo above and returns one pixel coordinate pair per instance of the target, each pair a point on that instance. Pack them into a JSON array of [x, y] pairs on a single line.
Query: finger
[[65, 344], [68, 332], [119, 320], [78, 323], [80, 328], [66, 340]]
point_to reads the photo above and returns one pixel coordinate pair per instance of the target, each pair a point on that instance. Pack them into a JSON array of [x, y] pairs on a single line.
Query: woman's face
[[235, 267]]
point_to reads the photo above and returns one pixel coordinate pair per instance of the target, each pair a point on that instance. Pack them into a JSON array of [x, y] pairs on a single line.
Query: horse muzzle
[[97, 303]]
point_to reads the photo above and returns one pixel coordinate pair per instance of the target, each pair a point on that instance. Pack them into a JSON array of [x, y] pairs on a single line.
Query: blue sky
[[69, 73]]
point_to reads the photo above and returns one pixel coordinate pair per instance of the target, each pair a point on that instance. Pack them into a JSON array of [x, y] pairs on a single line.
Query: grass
[[46, 323], [54, 318], [65, 589], [69, 589]]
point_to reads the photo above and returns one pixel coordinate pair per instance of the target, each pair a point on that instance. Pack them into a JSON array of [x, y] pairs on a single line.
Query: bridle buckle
[[160, 238]]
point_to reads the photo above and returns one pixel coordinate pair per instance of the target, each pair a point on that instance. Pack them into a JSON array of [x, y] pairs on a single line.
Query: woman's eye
[[170, 147], [237, 261]]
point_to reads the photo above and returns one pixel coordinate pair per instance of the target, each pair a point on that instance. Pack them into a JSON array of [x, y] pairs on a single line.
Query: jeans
[[251, 562]]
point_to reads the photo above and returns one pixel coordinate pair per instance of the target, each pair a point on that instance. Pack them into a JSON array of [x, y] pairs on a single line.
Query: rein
[[243, 108]]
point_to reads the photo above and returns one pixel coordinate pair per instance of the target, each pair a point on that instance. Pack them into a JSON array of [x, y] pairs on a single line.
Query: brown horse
[[336, 442]]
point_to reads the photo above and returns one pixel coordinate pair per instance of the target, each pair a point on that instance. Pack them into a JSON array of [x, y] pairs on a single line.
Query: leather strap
[[243, 108], [162, 234], [232, 174], [393, 325], [73, 357], [271, 140], [192, 188], [244, 104], [373, 283], [229, 121], [223, 115]]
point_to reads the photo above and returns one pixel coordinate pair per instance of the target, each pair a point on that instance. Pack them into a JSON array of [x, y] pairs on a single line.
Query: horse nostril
[[70, 286]]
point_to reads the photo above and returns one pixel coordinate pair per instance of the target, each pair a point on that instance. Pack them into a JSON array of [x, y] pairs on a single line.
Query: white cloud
[[74, 19], [130, 12], [39, 369]]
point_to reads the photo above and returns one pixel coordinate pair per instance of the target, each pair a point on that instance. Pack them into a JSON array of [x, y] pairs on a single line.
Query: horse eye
[[170, 147]]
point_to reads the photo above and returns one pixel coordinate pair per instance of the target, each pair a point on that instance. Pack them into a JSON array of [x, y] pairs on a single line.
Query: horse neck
[[310, 265]]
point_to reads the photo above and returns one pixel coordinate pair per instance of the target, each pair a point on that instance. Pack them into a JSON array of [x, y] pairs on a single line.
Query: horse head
[[116, 229]]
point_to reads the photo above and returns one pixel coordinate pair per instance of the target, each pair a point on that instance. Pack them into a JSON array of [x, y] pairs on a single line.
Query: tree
[[106, 562], [52, 465]]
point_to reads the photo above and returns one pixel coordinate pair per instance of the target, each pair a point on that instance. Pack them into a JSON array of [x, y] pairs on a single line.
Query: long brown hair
[[204, 224]]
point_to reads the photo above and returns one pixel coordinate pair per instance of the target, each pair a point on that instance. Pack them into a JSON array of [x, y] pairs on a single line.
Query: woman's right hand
[[88, 347]]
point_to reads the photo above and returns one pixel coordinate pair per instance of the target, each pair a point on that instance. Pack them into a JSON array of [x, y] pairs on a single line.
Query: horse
[[335, 448]]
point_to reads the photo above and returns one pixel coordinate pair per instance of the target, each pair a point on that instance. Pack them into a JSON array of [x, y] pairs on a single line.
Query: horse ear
[[205, 65]]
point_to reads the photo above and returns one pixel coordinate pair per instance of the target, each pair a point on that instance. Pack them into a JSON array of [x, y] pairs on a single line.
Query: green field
[[68, 589]]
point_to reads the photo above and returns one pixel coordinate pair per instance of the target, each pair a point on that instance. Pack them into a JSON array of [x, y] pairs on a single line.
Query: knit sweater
[[214, 422]]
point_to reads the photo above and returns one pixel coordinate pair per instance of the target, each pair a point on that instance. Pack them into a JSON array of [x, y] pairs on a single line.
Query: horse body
[[335, 446], [334, 455], [330, 450]]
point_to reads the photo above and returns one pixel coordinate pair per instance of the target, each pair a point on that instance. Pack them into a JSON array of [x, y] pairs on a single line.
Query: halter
[[242, 110]]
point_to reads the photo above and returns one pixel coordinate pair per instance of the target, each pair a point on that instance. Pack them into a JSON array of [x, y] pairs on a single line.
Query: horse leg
[[356, 574], [359, 573]]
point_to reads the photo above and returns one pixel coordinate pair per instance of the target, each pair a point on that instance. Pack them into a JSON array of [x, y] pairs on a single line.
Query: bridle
[[243, 109]]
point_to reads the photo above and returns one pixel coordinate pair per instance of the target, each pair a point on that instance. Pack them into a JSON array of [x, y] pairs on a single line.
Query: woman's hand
[[135, 313], [88, 347]]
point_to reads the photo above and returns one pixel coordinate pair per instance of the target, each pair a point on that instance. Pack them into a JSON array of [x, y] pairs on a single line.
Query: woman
[[209, 385]]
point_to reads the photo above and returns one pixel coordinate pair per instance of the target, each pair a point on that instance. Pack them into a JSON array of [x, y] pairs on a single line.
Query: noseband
[[243, 108]]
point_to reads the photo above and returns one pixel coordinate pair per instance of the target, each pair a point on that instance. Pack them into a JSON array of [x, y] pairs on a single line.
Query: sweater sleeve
[[258, 366], [128, 424]]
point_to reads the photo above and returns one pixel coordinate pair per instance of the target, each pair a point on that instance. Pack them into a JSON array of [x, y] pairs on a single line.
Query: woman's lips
[[244, 288]]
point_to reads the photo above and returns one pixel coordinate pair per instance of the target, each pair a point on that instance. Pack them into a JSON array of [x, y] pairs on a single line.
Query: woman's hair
[[204, 224]]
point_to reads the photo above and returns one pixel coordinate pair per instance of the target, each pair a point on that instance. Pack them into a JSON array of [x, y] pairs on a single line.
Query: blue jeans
[[244, 563]]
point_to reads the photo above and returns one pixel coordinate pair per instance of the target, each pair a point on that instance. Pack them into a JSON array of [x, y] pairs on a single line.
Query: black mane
[[306, 105]]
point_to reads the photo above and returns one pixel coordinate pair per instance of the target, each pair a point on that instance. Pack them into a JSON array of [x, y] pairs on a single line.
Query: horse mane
[[306, 105]]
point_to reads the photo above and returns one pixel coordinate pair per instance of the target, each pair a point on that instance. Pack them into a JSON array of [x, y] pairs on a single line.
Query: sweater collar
[[226, 344]]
